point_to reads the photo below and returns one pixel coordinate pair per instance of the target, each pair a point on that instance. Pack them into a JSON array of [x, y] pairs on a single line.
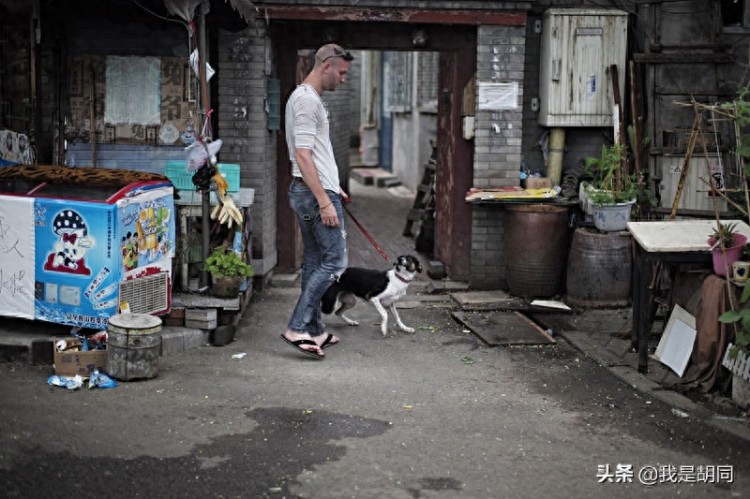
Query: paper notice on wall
[[133, 93], [497, 96], [17, 256]]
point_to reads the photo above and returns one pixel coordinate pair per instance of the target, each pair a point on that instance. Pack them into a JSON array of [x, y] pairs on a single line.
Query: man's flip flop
[[298, 345], [327, 342]]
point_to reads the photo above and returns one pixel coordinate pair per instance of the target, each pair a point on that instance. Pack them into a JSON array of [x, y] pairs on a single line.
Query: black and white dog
[[382, 288]]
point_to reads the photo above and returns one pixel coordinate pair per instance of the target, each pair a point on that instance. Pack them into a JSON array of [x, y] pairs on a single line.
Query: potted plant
[[726, 245], [228, 270], [738, 353], [612, 192]]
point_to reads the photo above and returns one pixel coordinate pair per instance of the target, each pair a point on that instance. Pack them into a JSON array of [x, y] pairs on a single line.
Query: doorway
[[456, 46]]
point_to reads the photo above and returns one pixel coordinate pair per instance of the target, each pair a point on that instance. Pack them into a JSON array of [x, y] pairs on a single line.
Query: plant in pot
[[738, 353], [228, 270], [611, 192], [726, 245]]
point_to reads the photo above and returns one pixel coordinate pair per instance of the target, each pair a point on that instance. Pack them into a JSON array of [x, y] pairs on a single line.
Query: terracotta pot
[[536, 248]]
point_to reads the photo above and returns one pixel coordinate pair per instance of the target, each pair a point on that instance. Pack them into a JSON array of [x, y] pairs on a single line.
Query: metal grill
[[145, 295]]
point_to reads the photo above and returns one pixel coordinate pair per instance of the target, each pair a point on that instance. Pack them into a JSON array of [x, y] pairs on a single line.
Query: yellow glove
[[229, 212], [215, 212]]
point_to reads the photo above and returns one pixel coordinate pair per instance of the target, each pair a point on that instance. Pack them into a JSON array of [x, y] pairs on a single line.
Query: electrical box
[[578, 48]]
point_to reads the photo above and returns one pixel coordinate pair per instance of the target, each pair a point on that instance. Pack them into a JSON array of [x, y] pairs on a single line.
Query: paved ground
[[435, 413]]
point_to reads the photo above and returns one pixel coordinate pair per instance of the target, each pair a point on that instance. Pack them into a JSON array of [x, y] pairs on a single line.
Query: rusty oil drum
[[600, 269], [536, 248]]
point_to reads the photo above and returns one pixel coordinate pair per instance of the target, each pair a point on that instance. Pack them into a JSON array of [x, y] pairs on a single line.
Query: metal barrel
[[536, 245], [133, 346]]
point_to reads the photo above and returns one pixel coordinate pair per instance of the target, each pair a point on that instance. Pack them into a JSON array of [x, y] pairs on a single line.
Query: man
[[316, 198]]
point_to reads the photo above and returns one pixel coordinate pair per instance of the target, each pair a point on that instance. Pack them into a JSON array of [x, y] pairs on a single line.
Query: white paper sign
[[17, 256], [677, 340], [497, 96]]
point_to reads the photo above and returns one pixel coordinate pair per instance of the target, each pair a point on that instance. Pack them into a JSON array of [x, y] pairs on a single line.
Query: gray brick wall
[[243, 128], [244, 67], [497, 149]]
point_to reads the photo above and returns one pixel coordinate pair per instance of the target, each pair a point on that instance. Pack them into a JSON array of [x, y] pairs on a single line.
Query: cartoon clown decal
[[71, 247]]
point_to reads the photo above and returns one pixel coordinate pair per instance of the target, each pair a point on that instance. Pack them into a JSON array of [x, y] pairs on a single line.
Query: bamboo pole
[[685, 164]]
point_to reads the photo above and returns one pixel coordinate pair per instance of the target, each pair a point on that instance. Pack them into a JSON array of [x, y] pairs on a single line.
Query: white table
[[668, 242], [679, 235]]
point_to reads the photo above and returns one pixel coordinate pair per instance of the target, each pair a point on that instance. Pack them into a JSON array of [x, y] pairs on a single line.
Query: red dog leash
[[348, 200]]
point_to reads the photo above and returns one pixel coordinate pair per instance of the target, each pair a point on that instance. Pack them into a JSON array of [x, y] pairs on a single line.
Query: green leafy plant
[[723, 235], [223, 262], [609, 185]]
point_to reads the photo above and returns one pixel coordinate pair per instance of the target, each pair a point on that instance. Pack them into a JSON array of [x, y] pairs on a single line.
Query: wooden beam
[[412, 16], [635, 117], [683, 58]]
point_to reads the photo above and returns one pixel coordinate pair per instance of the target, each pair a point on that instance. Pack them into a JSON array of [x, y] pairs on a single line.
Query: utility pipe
[[205, 193], [555, 156]]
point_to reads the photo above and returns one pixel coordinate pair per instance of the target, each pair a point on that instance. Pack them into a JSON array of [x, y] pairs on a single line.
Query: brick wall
[[247, 140], [497, 149], [245, 61]]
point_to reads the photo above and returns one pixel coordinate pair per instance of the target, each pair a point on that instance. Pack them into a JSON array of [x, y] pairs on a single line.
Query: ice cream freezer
[[79, 245]]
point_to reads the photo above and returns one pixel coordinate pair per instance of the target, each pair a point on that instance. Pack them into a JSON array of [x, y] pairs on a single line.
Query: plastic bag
[[196, 155], [71, 383], [199, 152], [101, 380]]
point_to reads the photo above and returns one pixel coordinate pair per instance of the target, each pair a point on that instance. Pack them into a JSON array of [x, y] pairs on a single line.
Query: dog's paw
[[352, 323], [407, 329], [384, 331]]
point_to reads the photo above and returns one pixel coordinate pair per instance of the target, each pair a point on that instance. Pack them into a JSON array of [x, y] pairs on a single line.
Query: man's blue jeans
[[324, 257]]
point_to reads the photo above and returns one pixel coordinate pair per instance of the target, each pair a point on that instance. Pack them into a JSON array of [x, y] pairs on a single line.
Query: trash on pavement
[[69, 382], [78, 353], [101, 380]]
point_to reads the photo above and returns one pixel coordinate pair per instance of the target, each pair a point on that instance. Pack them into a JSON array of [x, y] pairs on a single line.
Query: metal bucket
[[600, 269], [133, 346], [536, 244]]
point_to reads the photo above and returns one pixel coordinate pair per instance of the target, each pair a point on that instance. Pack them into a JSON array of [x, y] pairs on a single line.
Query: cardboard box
[[538, 183], [71, 362]]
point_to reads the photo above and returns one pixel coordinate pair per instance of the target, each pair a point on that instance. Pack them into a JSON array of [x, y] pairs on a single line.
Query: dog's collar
[[403, 279]]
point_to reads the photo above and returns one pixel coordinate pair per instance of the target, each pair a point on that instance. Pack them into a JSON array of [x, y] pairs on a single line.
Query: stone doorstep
[[388, 181], [37, 348], [362, 176], [285, 280], [374, 176], [180, 339]]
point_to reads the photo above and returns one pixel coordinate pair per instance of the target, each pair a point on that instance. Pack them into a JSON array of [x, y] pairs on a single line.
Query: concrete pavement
[[598, 334]]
